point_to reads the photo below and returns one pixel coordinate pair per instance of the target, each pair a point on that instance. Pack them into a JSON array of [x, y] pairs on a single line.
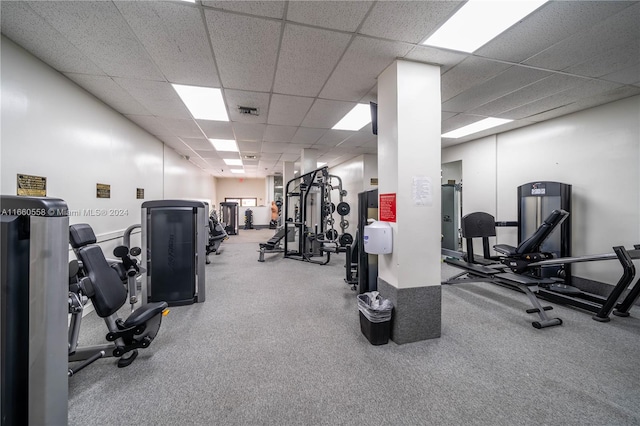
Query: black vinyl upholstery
[[478, 225], [110, 293], [533, 243], [81, 235]]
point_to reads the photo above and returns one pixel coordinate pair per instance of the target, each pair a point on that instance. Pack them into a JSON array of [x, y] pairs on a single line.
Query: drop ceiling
[[304, 64]]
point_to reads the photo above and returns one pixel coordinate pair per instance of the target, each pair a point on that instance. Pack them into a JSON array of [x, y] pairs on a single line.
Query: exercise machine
[[104, 285], [229, 215], [217, 235], [33, 314], [174, 237], [311, 223], [519, 268]]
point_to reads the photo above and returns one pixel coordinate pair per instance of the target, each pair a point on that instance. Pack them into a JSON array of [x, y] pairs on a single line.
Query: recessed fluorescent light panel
[[355, 119], [232, 161], [237, 170], [476, 127], [204, 103], [479, 21], [228, 145]]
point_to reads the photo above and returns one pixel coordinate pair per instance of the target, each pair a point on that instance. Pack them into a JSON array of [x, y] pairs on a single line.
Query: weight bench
[[273, 245], [482, 225]]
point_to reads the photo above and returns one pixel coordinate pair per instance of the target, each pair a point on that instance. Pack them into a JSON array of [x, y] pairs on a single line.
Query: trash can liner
[[374, 307]]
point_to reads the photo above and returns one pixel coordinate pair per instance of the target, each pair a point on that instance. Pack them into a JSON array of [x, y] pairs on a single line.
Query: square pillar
[[409, 146]]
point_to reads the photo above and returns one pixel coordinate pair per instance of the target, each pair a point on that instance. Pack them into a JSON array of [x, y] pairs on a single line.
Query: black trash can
[[375, 317]]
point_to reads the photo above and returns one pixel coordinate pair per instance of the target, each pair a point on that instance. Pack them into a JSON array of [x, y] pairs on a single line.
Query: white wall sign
[[421, 191]]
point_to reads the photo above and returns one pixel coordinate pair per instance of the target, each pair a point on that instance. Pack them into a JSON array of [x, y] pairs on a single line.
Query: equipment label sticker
[[103, 190], [387, 207]]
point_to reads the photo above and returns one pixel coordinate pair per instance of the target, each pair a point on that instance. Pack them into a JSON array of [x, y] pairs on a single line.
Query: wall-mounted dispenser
[[378, 238]]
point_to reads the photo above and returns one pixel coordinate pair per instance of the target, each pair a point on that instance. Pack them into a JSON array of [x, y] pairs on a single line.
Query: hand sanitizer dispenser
[[378, 238]]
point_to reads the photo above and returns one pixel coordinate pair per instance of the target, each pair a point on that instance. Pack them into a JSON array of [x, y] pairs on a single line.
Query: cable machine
[[308, 213]]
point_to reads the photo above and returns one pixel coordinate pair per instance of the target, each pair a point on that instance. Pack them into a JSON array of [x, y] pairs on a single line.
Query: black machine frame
[[312, 220]]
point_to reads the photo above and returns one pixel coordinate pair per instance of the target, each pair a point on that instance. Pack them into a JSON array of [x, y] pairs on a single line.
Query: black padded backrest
[[478, 225], [110, 293], [81, 235], [533, 243]]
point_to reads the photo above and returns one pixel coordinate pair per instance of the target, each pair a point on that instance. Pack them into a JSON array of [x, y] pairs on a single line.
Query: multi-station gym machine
[[309, 216]]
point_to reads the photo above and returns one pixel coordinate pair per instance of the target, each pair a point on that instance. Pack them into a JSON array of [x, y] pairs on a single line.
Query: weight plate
[[344, 224], [330, 221], [343, 208], [331, 234], [333, 207], [346, 239], [343, 192]]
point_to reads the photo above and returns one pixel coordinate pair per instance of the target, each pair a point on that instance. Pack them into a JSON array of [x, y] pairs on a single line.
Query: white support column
[[409, 170], [308, 160]]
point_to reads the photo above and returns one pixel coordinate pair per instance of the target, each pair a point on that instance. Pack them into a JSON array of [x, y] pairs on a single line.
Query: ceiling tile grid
[[409, 21], [343, 16], [25, 27], [107, 90], [99, 31], [358, 70], [158, 97], [175, 38], [304, 64], [307, 57], [288, 110], [272, 9], [257, 39]]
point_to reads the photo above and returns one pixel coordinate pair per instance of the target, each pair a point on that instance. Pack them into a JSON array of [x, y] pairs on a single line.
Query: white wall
[[53, 128], [242, 188], [596, 150]]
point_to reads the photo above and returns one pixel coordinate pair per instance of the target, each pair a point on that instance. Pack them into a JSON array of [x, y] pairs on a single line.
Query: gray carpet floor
[[279, 343]]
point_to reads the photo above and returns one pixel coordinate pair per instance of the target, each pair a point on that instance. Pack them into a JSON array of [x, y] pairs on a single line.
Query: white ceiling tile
[[593, 41], [157, 97], [469, 73], [553, 22], [272, 9], [602, 98], [208, 155], [410, 21], [105, 89], [256, 39], [360, 66], [612, 60], [629, 75], [238, 98], [274, 147], [246, 146], [344, 16], [181, 127], [175, 37], [509, 81], [372, 96], [288, 110], [269, 156], [359, 138], [25, 27], [447, 115], [151, 124], [538, 90], [584, 90], [333, 137], [325, 114], [445, 58], [305, 135], [295, 148], [199, 144], [290, 157], [248, 132], [216, 129], [112, 45], [282, 134], [307, 57]]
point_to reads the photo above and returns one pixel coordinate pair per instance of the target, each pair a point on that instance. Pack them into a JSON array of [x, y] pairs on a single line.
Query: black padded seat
[[110, 293], [145, 313], [81, 235]]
